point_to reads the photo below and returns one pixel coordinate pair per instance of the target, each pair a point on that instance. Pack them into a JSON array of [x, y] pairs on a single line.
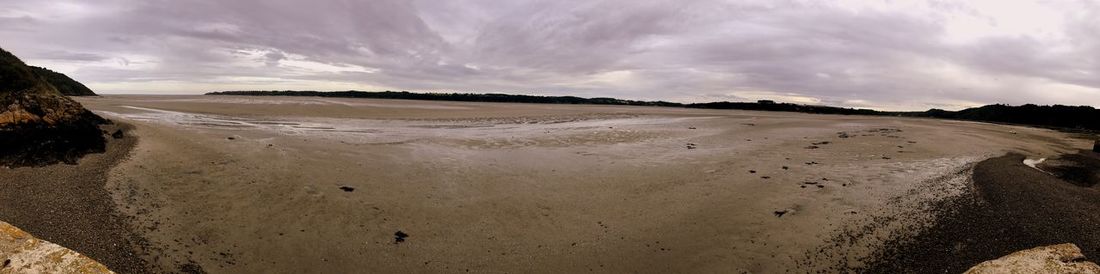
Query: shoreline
[[69, 205], [290, 184], [1009, 207]]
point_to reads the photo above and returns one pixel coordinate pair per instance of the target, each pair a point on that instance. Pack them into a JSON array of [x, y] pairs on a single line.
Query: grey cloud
[[695, 50], [273, 58], [16, 23], [72, 56]]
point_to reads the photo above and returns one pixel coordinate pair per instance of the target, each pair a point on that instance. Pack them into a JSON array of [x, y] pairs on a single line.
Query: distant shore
[[1059, 117]]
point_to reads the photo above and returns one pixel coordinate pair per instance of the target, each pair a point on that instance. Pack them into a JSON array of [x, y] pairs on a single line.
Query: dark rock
[[399, 236], [780, 213], [1096, 146], [117, 135], [231, 138], [191, 268], [347, 188]]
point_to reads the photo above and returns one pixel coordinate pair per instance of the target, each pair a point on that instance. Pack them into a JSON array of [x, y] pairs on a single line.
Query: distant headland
[[1074, 118]]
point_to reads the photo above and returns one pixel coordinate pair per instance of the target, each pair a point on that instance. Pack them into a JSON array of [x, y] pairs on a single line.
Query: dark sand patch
[[1012, 207], [68, 205], [1079, 169]]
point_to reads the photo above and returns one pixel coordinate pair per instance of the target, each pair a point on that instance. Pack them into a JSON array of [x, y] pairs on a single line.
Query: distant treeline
[[1057, 116], [464, 97], [769, 105]]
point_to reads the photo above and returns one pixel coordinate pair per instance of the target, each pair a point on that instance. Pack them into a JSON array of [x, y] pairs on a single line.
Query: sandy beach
[[319, 185]]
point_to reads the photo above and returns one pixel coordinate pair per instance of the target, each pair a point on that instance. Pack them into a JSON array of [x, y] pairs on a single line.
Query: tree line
[[1057, 116]]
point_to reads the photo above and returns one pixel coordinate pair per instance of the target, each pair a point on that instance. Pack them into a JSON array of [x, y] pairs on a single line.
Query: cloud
[[72, 56], [906, 54], [17, 23]]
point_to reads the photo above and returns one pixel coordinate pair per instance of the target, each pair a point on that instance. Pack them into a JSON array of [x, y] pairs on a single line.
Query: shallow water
[[386, 131]]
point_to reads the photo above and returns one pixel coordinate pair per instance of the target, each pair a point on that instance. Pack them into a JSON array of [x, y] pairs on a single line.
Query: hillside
[[1058, 116], [63, 83], [39, 125]]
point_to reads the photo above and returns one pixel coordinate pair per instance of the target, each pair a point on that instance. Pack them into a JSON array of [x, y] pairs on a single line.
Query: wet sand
[[257, 184]]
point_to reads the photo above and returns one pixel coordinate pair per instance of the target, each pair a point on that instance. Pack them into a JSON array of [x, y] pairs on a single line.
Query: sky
[[886, 55]]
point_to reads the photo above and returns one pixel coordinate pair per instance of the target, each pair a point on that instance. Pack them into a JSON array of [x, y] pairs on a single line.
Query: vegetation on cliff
[[63, 83]]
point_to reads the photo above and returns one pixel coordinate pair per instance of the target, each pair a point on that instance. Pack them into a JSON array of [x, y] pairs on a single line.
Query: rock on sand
[[23, 253], [1062, 258]]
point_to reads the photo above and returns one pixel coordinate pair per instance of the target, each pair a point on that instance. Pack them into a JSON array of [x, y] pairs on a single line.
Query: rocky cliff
[[23, 253], [39, 125], [67, 86]]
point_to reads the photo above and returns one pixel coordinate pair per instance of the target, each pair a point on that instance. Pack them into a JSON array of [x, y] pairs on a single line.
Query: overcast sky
[[890, 55]]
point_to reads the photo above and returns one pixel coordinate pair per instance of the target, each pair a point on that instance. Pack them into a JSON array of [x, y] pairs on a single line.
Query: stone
[[1096, 146], [23, 253], [1062, 258], [399, 236]]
